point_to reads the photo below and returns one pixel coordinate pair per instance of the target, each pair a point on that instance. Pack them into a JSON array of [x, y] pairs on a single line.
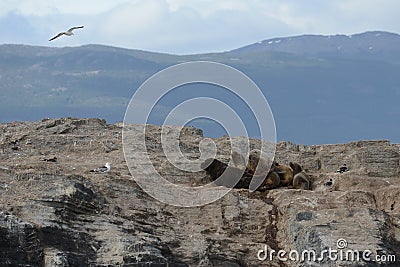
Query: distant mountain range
[[321, 89], [370, 45]]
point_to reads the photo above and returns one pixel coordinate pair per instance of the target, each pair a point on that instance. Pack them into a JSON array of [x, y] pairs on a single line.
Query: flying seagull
[[68, 33], [105, 168]]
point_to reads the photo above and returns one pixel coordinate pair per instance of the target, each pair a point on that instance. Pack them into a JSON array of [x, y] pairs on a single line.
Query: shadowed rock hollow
[[60, 214]]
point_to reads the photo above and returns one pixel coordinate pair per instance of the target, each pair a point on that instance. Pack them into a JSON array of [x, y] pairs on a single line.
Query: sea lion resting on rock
[[222, 175], [218, 169], [300, 180], [258, 165], [271, 181], [285, 173]]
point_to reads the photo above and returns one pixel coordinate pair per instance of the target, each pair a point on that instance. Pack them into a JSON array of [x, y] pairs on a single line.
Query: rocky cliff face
[[60, 214]]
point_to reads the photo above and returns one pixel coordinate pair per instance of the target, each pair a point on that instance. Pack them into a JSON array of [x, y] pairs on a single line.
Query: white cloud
[[181, 26], [48, 7], [134, 18]]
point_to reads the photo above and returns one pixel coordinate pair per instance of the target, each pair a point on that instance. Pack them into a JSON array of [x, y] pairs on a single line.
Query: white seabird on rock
[[105, 168], [68, 33]]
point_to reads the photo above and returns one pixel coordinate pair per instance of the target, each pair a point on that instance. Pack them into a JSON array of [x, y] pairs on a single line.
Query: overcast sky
[[188, 26]]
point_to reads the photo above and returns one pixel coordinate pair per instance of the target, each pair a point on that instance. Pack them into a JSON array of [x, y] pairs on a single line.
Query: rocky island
[[55, 212]]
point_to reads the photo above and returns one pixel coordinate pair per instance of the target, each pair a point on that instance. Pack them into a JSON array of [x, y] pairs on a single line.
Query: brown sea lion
[[285, 173], [271, 181], [300, 180], [226, 174], [259, 164]]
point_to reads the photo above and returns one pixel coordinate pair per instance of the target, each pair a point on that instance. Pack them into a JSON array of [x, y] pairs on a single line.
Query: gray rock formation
[[60, 214]]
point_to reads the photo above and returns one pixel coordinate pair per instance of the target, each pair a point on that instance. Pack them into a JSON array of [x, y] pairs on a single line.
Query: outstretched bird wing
[[100, 169], [74, 28], [58, 35]]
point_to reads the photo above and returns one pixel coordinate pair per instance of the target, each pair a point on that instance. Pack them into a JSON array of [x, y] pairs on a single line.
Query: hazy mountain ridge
[[317, 94], [376, 45]]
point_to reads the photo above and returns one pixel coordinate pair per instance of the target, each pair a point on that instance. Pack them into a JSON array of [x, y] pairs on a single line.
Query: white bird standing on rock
[[68, 33], [103, 169]]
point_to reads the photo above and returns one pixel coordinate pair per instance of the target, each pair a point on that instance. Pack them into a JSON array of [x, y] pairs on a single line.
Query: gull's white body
[[105, 168], [68, 33]]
